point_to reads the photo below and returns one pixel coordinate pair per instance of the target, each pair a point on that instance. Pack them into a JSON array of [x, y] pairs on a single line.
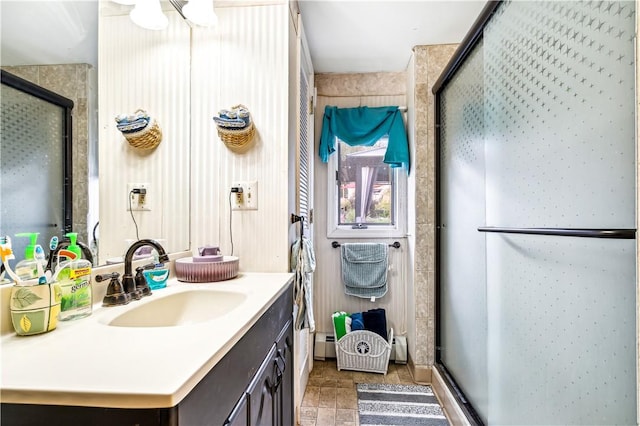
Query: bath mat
[[398, 405]]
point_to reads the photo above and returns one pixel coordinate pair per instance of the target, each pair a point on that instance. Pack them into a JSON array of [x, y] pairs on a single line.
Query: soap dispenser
[[74, 278], [27, 268]]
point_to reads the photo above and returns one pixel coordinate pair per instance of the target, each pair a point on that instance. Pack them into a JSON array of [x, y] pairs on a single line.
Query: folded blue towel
[[375, 320], [132, 126], [230, 123], [357, 322], [364, 269]]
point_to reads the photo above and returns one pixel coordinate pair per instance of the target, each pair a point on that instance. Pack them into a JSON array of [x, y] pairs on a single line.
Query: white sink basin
[[179, 309]]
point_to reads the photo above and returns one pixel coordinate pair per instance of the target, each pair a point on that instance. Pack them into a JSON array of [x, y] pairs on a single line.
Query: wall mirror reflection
[[35, 161], [55, 45]]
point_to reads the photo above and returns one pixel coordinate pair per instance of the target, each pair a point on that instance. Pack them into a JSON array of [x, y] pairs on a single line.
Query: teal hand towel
[[364, 269]]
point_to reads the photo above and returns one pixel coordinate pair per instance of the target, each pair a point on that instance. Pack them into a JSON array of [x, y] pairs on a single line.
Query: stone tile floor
[[331, 399]]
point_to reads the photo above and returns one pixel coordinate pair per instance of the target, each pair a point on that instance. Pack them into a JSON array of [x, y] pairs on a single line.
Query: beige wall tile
[[438, 57], [429, 61], [421, 63], [363, 84]]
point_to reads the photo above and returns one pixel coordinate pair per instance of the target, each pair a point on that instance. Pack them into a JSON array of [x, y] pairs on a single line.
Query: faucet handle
[[141, 282], [115, 290], [145, 267], [104, 277]]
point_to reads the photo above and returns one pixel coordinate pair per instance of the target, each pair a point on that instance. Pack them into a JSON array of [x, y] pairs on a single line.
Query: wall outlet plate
[[138, 202], [248, 198]]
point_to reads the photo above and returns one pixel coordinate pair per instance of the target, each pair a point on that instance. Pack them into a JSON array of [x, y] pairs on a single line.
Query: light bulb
[[148, 14], [200, 12]]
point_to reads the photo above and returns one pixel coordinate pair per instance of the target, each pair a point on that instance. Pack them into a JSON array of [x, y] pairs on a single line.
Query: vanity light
[[200, 12], [148, 14]]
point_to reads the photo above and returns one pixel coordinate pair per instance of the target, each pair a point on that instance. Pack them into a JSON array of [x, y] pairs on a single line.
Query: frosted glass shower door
[[463, 310], [32, 168], [560, 153]]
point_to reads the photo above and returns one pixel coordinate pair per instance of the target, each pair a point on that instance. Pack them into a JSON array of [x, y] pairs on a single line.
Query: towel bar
[[627, 234], [336, 244]]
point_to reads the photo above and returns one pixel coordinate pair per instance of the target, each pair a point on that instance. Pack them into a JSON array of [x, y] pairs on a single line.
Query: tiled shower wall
[[428, 63], [75, 82]]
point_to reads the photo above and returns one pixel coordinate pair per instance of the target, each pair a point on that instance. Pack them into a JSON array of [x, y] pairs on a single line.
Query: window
[[367, 198]]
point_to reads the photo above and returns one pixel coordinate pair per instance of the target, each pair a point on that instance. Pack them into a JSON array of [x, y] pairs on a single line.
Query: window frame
[[335, 230]]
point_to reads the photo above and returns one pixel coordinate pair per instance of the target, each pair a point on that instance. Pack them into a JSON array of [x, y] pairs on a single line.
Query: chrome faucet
[[128, 281]]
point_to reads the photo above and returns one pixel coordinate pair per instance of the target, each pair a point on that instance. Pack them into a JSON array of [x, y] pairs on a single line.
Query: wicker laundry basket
[[363, 350]]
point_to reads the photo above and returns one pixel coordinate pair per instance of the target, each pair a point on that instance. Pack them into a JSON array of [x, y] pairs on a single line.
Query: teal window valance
[[364, 126]]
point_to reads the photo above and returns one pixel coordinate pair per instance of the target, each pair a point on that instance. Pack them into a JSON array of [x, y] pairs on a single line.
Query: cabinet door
[[283, 398], [260, 393], [239, 415]]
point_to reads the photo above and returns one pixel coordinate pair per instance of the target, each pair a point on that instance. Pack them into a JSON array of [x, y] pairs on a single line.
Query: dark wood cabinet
[[251, 385], [269, 396]]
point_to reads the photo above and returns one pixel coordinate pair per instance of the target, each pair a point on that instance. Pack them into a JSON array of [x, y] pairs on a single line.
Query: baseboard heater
[[325, 347]]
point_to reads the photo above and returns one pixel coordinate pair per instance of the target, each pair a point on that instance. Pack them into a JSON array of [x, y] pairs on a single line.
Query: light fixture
[[200, 12], [148, 14]]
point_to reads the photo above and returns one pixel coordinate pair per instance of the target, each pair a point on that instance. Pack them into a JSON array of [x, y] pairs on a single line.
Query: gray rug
[[395, 405]]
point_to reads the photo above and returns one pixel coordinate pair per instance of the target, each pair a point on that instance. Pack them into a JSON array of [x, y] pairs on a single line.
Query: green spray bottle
[[74, 278]]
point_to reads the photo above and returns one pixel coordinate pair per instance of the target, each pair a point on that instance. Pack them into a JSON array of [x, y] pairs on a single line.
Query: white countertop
[[88, 363]]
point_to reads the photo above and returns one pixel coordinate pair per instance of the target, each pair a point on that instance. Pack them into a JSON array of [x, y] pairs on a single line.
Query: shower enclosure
[[537, 215], [35, 162]]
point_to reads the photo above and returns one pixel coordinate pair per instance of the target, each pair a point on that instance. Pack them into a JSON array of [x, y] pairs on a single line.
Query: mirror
[[55, 45]]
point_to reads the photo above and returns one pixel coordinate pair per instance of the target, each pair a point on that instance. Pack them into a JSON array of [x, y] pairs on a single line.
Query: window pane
[[366, 185]]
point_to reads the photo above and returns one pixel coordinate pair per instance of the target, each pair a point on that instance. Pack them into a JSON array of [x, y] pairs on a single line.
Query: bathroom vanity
[[234, 369]]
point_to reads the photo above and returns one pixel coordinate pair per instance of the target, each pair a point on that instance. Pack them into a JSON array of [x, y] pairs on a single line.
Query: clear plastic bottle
[[27, 268], [75, 281]]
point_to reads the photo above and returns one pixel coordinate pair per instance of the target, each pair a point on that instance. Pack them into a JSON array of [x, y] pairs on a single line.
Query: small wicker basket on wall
[[238, 140], [147, 138], [140, 130]]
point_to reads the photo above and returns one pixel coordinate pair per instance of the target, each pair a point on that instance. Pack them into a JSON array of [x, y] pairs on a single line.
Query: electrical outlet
[[248, 198], [138, 197]]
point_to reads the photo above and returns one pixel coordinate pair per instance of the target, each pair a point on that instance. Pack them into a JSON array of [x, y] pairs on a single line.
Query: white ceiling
[[369, 36], [343, 35], [48, 32]]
